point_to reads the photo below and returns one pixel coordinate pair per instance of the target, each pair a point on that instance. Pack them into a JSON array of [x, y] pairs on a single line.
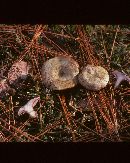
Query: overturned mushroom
[[19, 70], [28, 108], [120, 77], [60, 73], [93, 77]]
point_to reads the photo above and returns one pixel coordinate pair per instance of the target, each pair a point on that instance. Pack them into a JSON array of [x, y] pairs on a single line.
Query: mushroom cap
[[93, 77], [60, 73], [18, 70]]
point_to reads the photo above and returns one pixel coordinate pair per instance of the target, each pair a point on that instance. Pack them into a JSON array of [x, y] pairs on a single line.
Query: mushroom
[[93, 77], [28, 108], [18, 70], [60, 73], [120, 77]]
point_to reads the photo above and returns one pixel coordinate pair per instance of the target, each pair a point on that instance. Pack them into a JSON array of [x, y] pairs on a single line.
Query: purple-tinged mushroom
[[120, 77], [18, 70], [28, 108]]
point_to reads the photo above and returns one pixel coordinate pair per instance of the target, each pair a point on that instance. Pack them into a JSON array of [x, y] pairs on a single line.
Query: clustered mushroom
[[61, 73], [19, 70]]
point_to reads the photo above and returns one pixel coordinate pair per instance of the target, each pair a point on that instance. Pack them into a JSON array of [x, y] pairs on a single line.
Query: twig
[[63, 103], [117, 29]]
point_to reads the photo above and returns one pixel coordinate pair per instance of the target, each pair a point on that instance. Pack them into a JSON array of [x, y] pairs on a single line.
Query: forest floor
[[77, 114]]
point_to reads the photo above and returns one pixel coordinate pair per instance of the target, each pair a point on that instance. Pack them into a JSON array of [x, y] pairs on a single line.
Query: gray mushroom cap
[[60, 73], [93, 77]]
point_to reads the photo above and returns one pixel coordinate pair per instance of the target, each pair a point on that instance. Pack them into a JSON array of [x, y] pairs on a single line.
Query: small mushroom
[[93, 77], [18, 70], [28, 108], [60, 73], [120, 77]]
